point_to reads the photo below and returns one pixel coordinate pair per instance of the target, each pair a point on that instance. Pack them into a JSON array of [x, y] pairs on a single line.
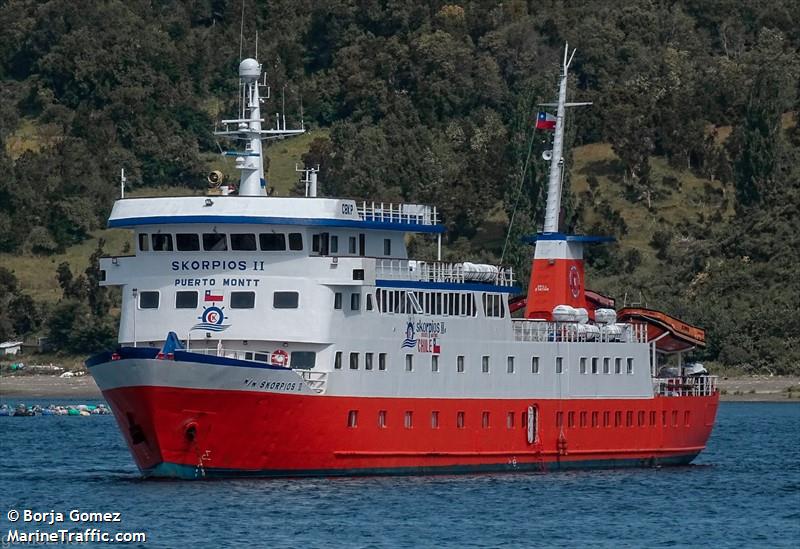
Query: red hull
[[192, 432]]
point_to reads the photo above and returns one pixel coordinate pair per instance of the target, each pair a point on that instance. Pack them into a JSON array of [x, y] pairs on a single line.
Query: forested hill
[[689, 155]]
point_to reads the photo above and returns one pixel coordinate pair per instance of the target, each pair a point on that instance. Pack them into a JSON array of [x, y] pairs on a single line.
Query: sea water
[[742, 491]]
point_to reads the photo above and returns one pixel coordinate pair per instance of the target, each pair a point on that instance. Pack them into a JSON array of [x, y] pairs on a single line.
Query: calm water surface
[[743, 491]]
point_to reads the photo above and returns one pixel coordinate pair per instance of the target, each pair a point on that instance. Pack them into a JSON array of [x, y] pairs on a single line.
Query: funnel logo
[[212, 320], [574, 281]]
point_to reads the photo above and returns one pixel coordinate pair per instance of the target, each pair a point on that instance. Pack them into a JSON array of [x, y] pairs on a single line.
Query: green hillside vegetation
[[690, 155]]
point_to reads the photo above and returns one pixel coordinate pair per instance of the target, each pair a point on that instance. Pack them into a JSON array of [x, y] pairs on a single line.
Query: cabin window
[[351, 245], [387, 246], [187, 242], [409, 363], [583, 419], [606, 365], [640, 417], [510, 365], [460, 364], [628, 419], [295, 241], [595, 419], [354, 361], [381, 361], [334, 244], [144, 242], [583, 365], [215, 242], [337, 300], [368, 361], [434, 363], [687, 416], [510, 420], [186, 300], [485, 420], [261, 357], [595, 362], [352, 419], [460, 420], [534, 364], [285, 300], [485, 364], [674, 418], [408, 421], [243, 241], [162, 242], [355, 302], [148, 300], [652, 419], [362, 244], [570, 419], [382, 419], [243, 300], [435, 419], [617, 365], [303, 360], [606, 419], [369, 302], [617, 419], [559, 365], [337, 360], [630, 366], [559, 419], [272, 242]]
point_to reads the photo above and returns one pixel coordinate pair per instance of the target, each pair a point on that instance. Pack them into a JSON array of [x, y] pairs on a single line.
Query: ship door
[[362, 244], [533, 424]]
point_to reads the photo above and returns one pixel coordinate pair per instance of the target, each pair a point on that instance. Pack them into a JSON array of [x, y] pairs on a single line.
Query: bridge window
[[285, 300], [186, 300], [368, 361], [351, 245], [162, 242], [337, 300], [295, 241], [148, 300], [334, 244], [243, 241], [337, 360], [354, 361], [630, 366], [303, 360], [215, 242], [243, 300], [355, 302], [272, 242], [187, 242], [493, 305], [534, 364], [144, 242]]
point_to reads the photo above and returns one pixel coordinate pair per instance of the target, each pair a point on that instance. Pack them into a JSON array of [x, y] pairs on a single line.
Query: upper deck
[[319, 212]]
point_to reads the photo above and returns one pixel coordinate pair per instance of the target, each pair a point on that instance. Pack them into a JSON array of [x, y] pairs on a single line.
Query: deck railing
[[572, 332], [413, 214], [685, 386], [441, 271]]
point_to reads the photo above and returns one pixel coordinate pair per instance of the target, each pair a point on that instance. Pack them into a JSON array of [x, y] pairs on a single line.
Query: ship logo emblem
[[212, 320], [410, 341]]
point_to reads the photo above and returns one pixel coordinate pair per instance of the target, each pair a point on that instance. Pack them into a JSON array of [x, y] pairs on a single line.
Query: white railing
[[414, 214], [440, 271], [572, 332], [685, 386]]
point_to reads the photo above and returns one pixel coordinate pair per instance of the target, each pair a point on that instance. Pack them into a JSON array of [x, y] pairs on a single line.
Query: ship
[[267, 336]]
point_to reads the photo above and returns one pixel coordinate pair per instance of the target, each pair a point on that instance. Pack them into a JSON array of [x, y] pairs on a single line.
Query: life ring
[[280, 358]]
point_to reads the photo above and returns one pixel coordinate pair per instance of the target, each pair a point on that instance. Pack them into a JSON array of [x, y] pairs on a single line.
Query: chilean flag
[[545, 121], [211, 296]]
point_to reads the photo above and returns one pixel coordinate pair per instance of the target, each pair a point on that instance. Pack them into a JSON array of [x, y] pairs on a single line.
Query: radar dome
[[249, 70]]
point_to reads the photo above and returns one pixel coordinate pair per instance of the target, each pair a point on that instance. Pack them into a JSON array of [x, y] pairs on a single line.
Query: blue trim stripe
[[586, 239], [468, 287], [260, 220]]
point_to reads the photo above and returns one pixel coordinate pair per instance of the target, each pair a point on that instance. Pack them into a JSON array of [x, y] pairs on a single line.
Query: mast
[[553, 206], [247, 128]]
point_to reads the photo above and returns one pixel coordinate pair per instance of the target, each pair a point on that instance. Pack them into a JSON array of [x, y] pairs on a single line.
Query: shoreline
[[734, 389]]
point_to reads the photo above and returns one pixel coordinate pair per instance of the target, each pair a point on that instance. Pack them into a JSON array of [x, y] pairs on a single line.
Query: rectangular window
[[351, 245], [382, 361], [617, 365], [640, 418], [583, 419], [595, 419], [485, 420], [354, 361], [510, 420], [606, 365], [434, 419], [408, 421], [570, 419], [334, 244], [485, 364], [352, 419], [617, 419], [674, 418], [261, 357], [285, 300], [272, 242], [368, 361], [303, 360], [460, 364], [664, 418], [559, 419], [337, 300], [355, 302], [534, 364], [559, 365], [652, 419], [215, 242], [409, 363], [243, 241], [369, 302], [510, 365], [687, 416], [387, 246], [144, 242], [434, 363], [606, 419], [595, 360], [148, 300], [187, 242], [583, 365], [162, 242], [186, 300], [460, 420], [382, 419], [337, 361], [295, 241], [629, 419], [630, 366], [243, 300]]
